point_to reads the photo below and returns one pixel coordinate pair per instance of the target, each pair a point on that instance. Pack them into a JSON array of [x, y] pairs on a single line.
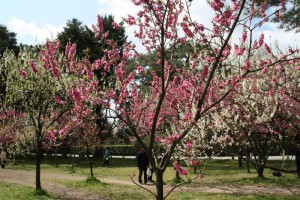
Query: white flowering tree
[[263, 116]]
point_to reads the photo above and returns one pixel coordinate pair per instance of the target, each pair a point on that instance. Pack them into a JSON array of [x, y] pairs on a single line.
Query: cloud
[[283, 38], [202, 13], [30, 33], [116, 8]]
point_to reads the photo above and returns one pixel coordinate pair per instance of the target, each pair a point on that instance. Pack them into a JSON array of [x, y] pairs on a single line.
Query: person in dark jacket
[[142, 163]]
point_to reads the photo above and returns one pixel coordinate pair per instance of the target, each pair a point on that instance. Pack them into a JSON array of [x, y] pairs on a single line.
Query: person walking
[[142, 163], [3, 158], [106, 155]]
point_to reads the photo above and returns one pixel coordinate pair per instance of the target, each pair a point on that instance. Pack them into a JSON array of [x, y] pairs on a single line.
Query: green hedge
[[129, 150], [122, 150]]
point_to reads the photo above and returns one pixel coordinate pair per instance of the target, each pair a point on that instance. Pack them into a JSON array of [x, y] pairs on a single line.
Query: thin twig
[[189, 181], [131, 177]]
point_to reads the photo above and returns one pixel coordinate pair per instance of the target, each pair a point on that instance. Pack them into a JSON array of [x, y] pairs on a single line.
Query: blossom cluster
[[180, 169]]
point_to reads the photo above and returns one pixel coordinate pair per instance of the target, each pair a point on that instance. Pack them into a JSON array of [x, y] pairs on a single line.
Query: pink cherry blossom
[[116, 25], [22, 73], [265, 70]]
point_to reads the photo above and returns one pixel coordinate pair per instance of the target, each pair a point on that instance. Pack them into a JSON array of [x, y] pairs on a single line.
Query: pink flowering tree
[[48, 88], [10, 130], [176, 99], [87, 139]]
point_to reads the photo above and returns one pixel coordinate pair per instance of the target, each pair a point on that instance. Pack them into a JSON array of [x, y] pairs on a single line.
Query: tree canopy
[[290, 19], [8, 40], [87, 45]]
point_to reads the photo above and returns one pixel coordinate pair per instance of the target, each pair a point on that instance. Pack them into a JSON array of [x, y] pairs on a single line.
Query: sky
[[35, 20]]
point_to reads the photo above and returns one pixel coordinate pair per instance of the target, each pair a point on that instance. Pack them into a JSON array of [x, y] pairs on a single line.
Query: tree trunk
[[248, 167], [14, 159], [159, 185], [73, 161], [248, 159], [91, 164], [56, 164], [297, 155], [177, 173], [240, 158], [240, 161], [260, 171], [38, 163], [91, 169]]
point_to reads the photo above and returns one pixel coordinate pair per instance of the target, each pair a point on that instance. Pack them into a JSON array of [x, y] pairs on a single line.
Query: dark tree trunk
[[240, 158], [73, 161], [240, 161], [159, 185], [248, 159], [260, 171], [177, 173], [91, 169], [38, 162], [91, 164], [56, 164], [248, 167], [297, 155]]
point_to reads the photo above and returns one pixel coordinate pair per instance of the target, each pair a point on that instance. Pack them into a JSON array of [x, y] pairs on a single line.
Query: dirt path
[[27, 178]]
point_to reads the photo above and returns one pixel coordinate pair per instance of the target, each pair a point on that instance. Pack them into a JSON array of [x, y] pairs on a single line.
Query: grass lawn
[[216, 173], [17, 192]]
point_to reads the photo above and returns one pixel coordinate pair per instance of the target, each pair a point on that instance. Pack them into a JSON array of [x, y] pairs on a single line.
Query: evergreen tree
[[291, 18], [86, 42], [7, 40]]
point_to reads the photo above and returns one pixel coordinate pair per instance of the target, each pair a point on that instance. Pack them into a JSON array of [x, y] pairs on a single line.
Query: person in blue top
[[106, 155]]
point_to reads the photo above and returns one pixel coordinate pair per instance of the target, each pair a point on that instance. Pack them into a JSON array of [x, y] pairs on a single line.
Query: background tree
[[290, 19], [87, 45], [33, 88], [181, 53], [90, 46], [8, 40], [88, 141], [261, 117]]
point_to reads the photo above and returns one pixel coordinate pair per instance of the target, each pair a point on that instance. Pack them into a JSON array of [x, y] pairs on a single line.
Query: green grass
[[211, 196], [216, 173], [17, 192], [109, 191], [122, 192]]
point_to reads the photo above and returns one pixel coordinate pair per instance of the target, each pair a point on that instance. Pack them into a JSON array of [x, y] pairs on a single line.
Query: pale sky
[[36, 20]]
